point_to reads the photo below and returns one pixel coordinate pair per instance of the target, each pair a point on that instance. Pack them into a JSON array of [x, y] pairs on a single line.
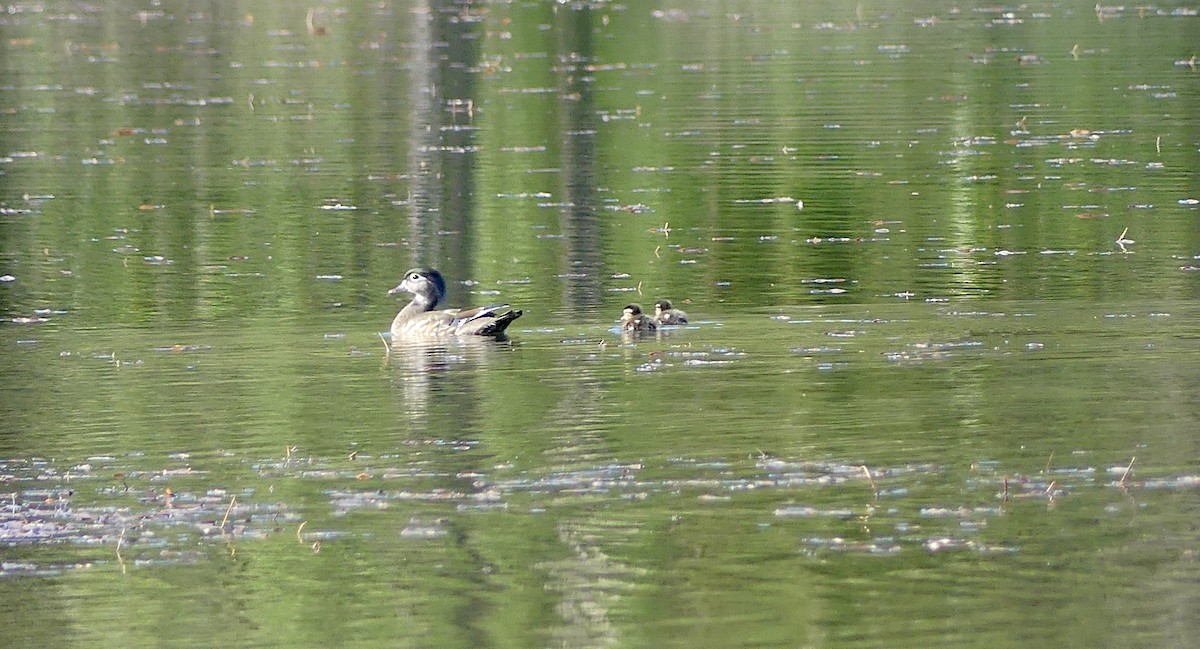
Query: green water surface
[[938, 389]]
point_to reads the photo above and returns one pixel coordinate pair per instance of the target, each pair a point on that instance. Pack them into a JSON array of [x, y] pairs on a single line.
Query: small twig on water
[[1005, 490], [121, 559], [387, 349], [232, 501], [1048, 461], [1121, 482], [298, 530], [310, 24], [874, 489], [120, 541]]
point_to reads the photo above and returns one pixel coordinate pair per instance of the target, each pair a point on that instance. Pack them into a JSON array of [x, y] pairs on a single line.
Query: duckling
[[632, 319], [665, 315], [418, 318]]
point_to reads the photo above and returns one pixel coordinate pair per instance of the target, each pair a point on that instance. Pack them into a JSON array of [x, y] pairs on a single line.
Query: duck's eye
[[414, 276]]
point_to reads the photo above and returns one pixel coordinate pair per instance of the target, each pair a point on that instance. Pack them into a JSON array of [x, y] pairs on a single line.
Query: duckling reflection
[[418, 319], [665, 314]]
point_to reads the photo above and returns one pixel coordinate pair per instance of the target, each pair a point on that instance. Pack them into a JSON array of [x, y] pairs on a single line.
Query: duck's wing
[[485, 320]]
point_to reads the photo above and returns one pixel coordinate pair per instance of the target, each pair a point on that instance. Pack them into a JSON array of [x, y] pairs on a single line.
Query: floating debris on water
[[90, 505], [106, 501], [803, 511]]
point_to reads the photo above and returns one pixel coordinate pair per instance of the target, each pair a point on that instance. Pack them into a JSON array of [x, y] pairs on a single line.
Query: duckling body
[[418, 319], [632, 319], [664, 314]]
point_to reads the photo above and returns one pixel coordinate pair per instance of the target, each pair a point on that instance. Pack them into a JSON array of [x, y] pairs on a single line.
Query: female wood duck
[[665, 315], [418, 318], [632, 319]]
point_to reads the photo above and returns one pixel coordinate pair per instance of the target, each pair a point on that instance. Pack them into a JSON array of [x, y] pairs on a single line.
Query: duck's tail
[[499, 324]]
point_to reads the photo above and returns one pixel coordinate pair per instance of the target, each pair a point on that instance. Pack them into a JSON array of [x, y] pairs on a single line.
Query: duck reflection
[[434, 375]]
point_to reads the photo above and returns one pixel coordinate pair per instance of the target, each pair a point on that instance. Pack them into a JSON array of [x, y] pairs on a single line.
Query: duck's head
[[661, 306], [422, 282], [631, 311]]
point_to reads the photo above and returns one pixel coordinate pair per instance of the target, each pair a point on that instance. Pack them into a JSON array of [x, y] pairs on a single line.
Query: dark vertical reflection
[[423, 139], [442, 142], [577, 130], [590, 583], [445, 378]]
